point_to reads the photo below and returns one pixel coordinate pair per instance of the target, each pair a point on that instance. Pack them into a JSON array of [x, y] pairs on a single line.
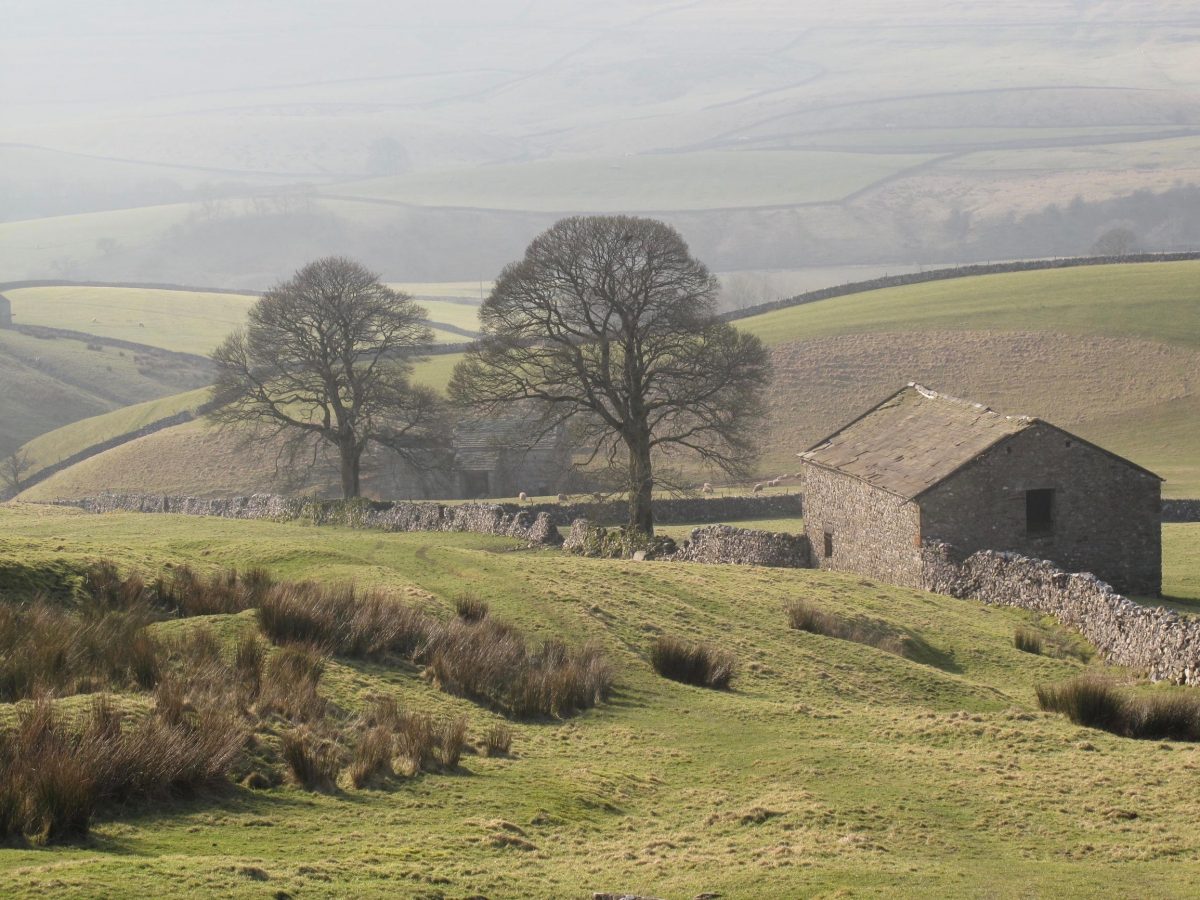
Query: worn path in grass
[[831, 767]]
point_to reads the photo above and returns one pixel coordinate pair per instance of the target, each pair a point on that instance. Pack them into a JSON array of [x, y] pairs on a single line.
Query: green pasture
[[830, 769]]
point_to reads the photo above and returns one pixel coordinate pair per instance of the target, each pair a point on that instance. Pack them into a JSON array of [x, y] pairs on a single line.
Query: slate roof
[[917, 438], [913, 440]]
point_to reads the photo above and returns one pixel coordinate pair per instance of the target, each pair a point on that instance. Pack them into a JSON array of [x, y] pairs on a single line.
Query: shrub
[[1088, 701], [289, 685], [471, 608], [1028, 641], [414, 740], [449, 739], [1171, 716], [47, 648], [803, 616], [313, 763], [54, 777], [497, 740], [372, 757], [489, 661], [703, 665], [190, 594], [341, 620]]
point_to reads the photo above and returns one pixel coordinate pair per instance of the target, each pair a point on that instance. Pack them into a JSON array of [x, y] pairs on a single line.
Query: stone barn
[[5, 312], [502, 455], [922, 466]]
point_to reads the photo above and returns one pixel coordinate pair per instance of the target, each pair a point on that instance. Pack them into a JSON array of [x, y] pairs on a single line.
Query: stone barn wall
[[874, 533], [1157, 640], [1107, 513], [5, 312]]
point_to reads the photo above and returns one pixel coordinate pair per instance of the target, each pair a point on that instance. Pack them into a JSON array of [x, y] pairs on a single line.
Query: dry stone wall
[[1157, 640], [1181, 510], [672, 511], [745, 546], [479, 518]]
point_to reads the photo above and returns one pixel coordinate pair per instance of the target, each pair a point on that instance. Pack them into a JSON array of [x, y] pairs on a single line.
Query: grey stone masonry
[[1156, 640], [480, 518], [725, 544]]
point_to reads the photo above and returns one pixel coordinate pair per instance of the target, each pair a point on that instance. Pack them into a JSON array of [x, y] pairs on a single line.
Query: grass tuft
[[1028, 641], [703, 665], [1096, 703]]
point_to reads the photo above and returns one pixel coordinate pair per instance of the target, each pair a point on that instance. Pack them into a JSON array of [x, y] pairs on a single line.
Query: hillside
[[438, 146], [1111, 352], [853, 770], [49, 382]]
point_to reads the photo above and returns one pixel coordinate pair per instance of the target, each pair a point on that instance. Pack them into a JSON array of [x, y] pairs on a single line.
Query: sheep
[[523, 497], [774, 482], [597, 496], [562, 498], [758, 488], [141, 324], [706, 488], [94, 320]]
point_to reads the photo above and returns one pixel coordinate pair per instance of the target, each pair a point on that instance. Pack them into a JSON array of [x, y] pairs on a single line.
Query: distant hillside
[[1111, 352]]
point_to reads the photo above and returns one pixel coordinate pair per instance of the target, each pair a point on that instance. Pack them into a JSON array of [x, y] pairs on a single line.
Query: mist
[[223, 144]]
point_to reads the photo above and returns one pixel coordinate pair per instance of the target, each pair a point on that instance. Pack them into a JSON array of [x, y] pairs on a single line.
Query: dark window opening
[[1039, 511], [828, 544], [476, 484]]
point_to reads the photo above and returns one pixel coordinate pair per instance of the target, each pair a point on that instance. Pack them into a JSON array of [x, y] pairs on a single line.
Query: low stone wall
[[745, 546], [676, 510], [1181, 511], [1157, 640], [479, 518]]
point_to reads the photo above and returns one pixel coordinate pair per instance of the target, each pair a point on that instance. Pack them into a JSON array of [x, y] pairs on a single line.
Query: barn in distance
[[922, 466]]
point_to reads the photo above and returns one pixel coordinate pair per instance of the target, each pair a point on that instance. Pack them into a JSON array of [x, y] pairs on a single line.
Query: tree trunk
[[351, 455], [641, 484]]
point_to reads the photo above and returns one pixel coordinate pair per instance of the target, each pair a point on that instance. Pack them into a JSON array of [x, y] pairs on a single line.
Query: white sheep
[[562, 498], [141, 324], [523, 497], [597, 496], [706, 488], [758, 488]]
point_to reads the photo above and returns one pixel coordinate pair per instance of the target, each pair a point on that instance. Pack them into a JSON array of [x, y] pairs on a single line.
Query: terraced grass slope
[[830, 768]]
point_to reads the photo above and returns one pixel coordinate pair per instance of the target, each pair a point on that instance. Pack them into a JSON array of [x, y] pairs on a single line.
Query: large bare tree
[[609, 321], [325, 358]]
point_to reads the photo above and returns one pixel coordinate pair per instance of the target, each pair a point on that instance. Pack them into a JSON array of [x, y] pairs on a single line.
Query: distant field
[[60, 443], [186, 321], [648, 182], [1156, 301]]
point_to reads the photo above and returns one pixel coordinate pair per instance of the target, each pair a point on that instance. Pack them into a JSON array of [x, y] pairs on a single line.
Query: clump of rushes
[[1028, 641], [804, 616], [703, 665], [1097, 703]]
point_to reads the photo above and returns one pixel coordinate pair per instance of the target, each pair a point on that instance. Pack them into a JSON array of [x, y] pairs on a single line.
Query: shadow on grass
[[919, 650]]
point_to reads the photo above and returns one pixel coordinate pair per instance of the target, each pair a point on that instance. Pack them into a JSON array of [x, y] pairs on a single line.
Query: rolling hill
[[1110, 352], [830, 768]]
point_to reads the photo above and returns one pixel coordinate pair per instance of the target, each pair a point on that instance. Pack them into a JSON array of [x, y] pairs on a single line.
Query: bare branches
[[612, 320], [326, 355]]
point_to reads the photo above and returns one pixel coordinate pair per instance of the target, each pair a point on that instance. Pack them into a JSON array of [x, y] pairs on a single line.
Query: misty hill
[[198, 145]]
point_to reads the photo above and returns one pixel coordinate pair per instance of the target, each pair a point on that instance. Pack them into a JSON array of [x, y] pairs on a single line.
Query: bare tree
[[325, 357], [13, 470], [609, 321], [1117, 241]]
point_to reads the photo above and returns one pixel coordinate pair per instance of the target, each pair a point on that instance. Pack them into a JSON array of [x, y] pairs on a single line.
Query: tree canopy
[[610, 322], [325, 358]]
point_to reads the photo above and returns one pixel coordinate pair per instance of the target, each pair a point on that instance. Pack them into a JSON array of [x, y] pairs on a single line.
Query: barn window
[[828, 544], [1039, 511]]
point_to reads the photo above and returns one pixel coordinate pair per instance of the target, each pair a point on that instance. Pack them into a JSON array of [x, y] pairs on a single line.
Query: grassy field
[[831, 768], [644, 183], [60, 443], [186, 321], [48, 383]]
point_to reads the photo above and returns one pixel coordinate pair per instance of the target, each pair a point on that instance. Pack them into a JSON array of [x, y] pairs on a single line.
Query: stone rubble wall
[[1154, 639], [1181, 510], [725, 544], [675, 510], [478, 518]]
